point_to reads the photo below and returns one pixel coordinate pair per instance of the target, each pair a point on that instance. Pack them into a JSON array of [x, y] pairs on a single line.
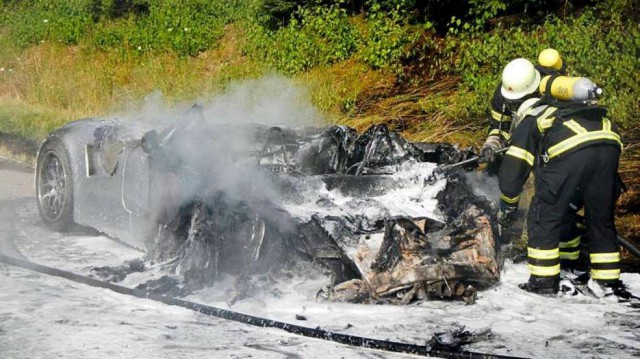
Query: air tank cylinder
[[568, 88]]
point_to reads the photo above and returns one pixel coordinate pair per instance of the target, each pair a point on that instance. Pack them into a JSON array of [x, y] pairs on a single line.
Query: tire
[[54, 185]]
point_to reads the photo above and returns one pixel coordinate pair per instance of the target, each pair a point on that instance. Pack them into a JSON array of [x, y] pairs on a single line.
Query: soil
[[18, 147], [628, 225]]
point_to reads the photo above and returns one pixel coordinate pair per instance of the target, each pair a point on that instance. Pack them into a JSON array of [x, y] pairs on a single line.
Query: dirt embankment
[[18, 148]]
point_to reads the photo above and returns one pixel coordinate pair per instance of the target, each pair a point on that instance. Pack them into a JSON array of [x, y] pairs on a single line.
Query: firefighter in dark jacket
[[520, 80], [569, 146]]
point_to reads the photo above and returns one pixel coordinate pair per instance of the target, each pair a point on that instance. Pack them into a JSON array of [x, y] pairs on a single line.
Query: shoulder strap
[[582, 110]]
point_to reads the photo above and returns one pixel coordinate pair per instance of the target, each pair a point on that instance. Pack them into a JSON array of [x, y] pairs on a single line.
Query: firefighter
[[520, 80], [568, 146]]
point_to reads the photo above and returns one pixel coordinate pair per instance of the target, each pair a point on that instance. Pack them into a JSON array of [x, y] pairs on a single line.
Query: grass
[[44, 86], [30, 121]]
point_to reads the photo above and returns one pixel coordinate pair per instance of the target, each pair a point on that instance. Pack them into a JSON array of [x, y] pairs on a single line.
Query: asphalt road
[[16, 184]]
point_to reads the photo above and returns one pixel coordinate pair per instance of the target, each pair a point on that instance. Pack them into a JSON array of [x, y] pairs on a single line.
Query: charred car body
[[243, 199]]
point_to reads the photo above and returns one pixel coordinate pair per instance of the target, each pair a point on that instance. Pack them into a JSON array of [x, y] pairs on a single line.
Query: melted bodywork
[[252, 199]]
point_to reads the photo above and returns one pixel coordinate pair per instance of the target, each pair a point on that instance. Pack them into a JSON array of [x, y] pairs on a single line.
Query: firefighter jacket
[[551, 133], [500, 118]]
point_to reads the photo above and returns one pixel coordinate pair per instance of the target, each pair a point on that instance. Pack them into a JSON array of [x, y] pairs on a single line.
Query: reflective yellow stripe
[[570, 255], [498, 116], [572, 243], [522, 154], [605, 273], [613, 257], [577, 140], [543, 253], [606, 124], [544, 121], [544, 271], [497, 132], [510, 200], [575, 127]]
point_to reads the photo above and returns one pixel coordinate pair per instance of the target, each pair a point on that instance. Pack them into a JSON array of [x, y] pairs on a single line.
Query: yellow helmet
[[519, 79], [550, 58]]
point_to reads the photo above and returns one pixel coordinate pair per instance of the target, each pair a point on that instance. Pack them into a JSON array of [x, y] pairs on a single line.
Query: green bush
[[388, 38], [186, 27], [318, 36], [41, 20], [324, 35], [604, 47]]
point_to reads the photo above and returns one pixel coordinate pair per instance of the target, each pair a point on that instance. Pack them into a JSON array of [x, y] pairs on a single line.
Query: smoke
[[210, 146], [484, 185], [271, 100]]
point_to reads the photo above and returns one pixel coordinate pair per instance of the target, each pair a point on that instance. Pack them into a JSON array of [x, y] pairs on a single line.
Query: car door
[[114, 189], [135, 195]]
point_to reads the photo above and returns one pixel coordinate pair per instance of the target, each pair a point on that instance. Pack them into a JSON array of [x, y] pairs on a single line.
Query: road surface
[[49, 317]]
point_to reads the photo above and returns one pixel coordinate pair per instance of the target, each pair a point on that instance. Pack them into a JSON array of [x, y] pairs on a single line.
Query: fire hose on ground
[[351, 340]]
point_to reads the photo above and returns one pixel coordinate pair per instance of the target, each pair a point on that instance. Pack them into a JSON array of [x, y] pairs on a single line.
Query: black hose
[[622, 241], [630, 247], [347, 339]]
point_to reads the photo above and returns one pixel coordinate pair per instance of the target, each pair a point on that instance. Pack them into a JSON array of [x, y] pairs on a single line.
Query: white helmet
[[519, 78]]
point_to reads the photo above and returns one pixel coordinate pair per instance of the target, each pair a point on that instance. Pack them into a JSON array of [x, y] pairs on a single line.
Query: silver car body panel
[[112, 198]]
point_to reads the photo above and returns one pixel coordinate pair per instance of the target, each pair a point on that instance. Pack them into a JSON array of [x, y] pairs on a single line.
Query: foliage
[[41, 20], [386, 42], [324, 35], [606, 51], [417, 42], [185, 27], [481, 11], [318, 36]]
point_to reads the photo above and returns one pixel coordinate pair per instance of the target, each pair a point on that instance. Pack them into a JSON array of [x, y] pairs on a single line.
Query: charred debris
[[310, 197]]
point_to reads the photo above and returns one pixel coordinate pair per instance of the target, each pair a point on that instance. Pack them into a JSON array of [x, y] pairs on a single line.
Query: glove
[[507, 214], [489, 149]]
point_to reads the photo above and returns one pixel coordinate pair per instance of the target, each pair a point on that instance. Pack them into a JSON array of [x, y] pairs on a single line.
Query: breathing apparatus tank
[[575, 89]]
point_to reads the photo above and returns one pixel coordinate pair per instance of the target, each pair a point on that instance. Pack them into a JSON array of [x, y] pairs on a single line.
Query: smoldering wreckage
[[256, 202]]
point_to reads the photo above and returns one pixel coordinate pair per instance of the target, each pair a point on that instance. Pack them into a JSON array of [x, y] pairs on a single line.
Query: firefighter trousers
[[573, 237], [593, 170]]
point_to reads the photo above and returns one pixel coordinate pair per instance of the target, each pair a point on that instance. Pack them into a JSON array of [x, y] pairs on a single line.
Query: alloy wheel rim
[[52, 186]]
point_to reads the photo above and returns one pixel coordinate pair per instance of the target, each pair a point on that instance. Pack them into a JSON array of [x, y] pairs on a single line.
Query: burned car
[[212, 198]]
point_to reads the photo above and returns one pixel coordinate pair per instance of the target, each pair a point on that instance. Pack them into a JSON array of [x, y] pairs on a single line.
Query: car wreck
[[210, 200]]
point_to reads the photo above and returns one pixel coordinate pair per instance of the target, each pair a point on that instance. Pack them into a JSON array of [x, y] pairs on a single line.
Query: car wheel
[[54, 185]]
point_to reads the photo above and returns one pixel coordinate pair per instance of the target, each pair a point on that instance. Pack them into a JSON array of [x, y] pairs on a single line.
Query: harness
[[554, 118], [559, 113]]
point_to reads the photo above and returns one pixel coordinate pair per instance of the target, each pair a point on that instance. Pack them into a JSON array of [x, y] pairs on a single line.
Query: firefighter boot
[[610, 290], [544, 286]]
